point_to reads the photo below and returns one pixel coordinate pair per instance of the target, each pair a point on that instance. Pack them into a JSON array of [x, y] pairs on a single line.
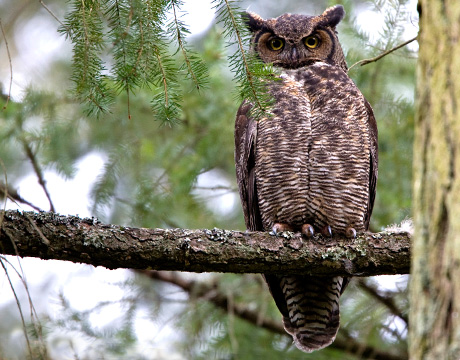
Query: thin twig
[[13, 195], [172, 163], [33, 313], [38, 172], [385, 53], [5, 190], [18, 303], [10, 63], [53, 15], [216, 188]]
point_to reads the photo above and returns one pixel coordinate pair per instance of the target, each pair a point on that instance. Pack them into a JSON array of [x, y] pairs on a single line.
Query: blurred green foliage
[[160, 174]]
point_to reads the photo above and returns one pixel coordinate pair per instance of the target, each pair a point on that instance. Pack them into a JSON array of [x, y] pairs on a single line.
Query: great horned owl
[[312, 165]]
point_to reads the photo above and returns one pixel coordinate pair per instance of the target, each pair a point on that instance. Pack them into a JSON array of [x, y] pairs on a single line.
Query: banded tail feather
[[310, 307]]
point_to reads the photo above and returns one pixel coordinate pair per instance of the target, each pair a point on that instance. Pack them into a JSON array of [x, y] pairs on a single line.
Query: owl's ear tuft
[[253, 21], [332, 16]]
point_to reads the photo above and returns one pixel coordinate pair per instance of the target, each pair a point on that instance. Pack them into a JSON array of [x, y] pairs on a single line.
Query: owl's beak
[[294, 54]]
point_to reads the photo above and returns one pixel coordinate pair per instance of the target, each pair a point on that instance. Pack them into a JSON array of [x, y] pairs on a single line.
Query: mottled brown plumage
[[312, 165]]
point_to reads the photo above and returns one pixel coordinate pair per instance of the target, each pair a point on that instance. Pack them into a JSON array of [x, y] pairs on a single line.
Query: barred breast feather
[[313, 155]]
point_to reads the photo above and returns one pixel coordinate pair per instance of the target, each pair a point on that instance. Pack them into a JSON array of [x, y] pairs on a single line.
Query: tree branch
[[38, 171], [388, 301], [52, 236], [385, 53]]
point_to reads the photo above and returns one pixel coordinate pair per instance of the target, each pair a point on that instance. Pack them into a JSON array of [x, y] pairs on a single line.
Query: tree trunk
[[435, 283]]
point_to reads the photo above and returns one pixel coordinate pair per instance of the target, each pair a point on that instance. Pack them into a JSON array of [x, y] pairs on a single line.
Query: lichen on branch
[[48, 235]]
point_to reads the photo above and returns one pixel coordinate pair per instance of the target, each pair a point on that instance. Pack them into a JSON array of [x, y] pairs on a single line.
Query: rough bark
[[51, 236], [435, 283]]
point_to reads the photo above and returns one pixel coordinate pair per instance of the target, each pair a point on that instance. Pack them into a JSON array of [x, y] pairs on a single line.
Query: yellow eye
[[311, 41], [276, 44]]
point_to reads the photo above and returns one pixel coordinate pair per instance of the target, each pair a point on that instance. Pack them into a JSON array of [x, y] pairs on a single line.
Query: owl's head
[[292, 41]]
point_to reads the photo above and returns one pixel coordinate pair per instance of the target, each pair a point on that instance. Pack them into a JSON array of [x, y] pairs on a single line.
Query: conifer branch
[[163, 79], [83, 25], [140, 51], [89, 241], [180, 41], [243, 55], [123, 46], [95, 102], [249, 71], [86, 42]]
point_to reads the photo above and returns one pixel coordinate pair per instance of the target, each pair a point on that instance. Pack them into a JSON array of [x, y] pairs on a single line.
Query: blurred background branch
[[206, 291]]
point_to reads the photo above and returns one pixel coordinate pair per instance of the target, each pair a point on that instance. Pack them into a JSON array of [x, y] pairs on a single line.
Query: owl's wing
[[245, 155], [373, 169], [245, 152]]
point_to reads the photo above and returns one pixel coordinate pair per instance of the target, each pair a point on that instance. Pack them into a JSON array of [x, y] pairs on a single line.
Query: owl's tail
[[310, 307]]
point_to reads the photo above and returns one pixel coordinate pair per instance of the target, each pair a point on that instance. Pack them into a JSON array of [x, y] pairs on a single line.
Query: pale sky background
[[84, 286]]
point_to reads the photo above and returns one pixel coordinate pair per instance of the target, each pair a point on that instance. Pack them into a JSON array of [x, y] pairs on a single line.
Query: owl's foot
[[326, 231], [350, 232], [308, 230], [281, 227]]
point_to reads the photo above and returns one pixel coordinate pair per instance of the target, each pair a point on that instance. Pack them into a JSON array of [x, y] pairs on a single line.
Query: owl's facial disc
[[293, 41]]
